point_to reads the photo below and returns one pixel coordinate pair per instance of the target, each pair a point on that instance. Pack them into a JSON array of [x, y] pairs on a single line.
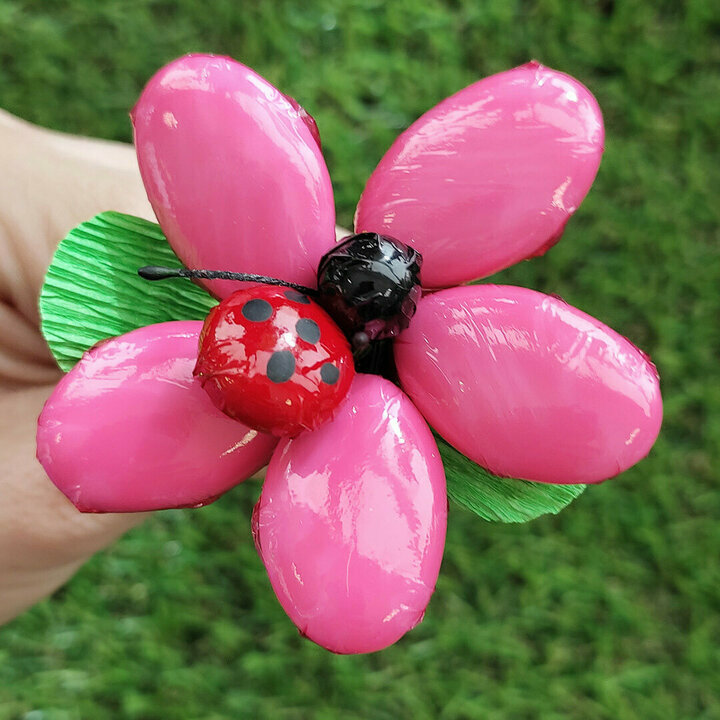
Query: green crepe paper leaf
[[92, 290], [500, 499]]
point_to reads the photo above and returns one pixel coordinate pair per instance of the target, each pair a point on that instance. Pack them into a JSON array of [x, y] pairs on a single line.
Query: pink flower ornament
[[351, 520]]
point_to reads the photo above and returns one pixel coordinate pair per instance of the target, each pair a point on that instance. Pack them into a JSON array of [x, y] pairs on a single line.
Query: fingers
[[43, 538], [24, 356], [49, 183]]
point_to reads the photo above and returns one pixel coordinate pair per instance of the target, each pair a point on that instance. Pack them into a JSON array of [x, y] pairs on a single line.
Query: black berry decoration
[[370, 285]]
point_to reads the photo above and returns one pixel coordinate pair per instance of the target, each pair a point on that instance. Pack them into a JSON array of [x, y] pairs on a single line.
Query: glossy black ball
[[370, 285]]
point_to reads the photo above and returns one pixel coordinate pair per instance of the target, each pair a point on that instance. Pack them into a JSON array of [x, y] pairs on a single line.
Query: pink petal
[[129, 428], [489, 176], [351, 521], [528, 386], [234, 171]]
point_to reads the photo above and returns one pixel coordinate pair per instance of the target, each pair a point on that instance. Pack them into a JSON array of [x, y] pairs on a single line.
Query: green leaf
[[500, 499], [92, 290]]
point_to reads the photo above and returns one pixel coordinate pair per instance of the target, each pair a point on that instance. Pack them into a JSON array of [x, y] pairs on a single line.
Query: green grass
[[610, 610]]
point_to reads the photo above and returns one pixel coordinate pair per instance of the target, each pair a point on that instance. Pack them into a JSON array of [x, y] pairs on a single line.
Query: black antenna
[[157, 272]]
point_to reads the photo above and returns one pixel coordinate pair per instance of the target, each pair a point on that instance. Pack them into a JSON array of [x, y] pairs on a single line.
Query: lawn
[[610, 610]]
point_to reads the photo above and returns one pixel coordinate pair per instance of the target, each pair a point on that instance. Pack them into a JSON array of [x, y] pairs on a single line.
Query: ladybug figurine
[[272, 358], [279, 362]]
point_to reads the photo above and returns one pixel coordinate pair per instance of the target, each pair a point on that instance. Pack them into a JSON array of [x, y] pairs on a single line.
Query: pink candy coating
[[234, 172], [528, 386], [489, 176], [351, 521], [129, 428]]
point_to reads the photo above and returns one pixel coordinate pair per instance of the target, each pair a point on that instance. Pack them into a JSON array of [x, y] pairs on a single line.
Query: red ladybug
[[272, 358]]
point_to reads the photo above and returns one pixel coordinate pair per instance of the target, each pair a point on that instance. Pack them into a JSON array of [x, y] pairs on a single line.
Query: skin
[[49, 182]]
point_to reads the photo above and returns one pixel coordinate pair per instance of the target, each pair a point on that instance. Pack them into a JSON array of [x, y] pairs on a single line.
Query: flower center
[[370, 285]]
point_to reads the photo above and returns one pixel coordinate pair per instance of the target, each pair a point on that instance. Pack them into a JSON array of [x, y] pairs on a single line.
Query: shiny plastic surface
[[489, 176], [234, 172], [351, 521], [129, 428], [273, 359], [528, 386], [370, 283]]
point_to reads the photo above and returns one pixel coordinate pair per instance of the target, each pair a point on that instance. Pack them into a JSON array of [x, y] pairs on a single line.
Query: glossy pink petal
[[234, 171], [351, 521], [130, 429], [489, 176], [528, 386]]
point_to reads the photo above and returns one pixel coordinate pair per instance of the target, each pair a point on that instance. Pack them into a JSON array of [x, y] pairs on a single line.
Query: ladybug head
[[370, 285]]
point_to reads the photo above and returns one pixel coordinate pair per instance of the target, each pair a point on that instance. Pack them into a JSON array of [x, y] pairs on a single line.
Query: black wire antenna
[[158, 272]]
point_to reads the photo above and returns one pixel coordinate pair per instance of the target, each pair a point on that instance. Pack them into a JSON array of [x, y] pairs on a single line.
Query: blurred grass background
[[610, 610]]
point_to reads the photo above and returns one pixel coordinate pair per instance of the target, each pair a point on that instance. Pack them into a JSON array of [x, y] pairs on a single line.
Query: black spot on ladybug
[[329, 373], [257, 310], [308, 330], [297, 297], [281, 366]]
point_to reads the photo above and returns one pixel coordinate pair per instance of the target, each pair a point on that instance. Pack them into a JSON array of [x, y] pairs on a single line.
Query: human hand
[[49, 182]]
